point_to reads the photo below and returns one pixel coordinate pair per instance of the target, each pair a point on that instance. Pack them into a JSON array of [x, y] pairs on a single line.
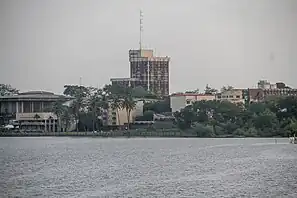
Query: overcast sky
[[45, 44]]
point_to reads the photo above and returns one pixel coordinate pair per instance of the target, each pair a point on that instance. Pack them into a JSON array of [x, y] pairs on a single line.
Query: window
[[237, 96], [231, 96], [188, 101]]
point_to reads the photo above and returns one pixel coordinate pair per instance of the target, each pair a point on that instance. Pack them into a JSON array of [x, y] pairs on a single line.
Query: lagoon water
[[147, 167]]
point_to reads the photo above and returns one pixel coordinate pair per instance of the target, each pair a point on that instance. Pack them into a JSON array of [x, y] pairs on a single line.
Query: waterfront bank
[[131, 133]]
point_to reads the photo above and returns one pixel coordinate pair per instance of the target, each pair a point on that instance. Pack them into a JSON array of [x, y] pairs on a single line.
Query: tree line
[[270, 118]]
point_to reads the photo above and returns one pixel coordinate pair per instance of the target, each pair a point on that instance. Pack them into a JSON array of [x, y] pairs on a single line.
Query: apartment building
[[278, 89], [151, 71], [232, 95], [119, 117], [181, 100]]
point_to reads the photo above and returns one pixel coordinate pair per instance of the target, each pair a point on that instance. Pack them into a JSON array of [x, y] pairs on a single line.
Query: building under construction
[[151, 71]]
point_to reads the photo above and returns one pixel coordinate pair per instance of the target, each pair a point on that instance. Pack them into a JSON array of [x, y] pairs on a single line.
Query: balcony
[[35, 116]]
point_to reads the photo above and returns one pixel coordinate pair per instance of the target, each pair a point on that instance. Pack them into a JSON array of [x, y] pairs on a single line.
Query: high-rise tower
[[151, 71]]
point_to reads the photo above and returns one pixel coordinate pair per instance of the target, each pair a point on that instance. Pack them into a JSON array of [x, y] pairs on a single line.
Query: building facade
[[279, 92], [264, 84], [125, 82], [181, 100], [119, 117], [232, 95], [151, 71], [31, 110], [269, 90]]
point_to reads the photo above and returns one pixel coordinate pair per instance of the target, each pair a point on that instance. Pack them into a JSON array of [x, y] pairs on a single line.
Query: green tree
[[80, 93], [7, 90], [147, 116], [227, 88], [160, 106], [209, 90], [128, 104], [64, 114], [95, 105], [116, 105]]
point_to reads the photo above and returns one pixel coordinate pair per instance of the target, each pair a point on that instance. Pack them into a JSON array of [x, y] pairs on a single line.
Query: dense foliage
[[7, 90], [89, 104], [222, 119]]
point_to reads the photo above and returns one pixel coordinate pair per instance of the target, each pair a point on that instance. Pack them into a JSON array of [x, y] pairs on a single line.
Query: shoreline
[[116, 134]]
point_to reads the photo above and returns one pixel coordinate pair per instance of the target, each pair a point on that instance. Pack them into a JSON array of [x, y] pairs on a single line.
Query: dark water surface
[[152, 167]]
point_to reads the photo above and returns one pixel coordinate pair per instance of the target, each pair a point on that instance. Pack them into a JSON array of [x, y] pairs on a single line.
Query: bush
[[239, 132], [203, 131]]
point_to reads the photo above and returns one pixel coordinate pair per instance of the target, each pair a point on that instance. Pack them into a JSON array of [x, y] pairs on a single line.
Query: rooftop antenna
[[80, 80], [140, 29]]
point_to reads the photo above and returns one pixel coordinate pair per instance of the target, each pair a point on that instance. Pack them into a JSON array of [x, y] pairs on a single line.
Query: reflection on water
[[94, 167]]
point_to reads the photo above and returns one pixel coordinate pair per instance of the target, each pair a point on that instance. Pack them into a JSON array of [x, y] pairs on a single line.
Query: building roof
[[34, 95], [123, 79], [191, 94]]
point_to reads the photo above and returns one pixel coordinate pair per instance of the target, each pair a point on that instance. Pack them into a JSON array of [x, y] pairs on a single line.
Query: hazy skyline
[[47, 44]]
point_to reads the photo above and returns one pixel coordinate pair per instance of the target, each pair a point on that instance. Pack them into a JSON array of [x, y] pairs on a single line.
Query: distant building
[[32, 110], [274, 90], [119, 117], [268, 93], [264, 84], [232, 95], [256, 95], [151, 71], [181, 100], [124, 82]]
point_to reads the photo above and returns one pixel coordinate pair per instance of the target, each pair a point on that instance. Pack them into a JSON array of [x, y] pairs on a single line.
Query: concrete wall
[[177, 103], [234, 96], [31, 116], [120, 117], [180, 101]]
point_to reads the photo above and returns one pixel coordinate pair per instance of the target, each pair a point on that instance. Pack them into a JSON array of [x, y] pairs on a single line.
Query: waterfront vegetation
[[274, 117]]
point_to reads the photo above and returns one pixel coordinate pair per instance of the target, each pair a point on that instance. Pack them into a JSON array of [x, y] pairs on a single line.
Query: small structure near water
[[293, 140]]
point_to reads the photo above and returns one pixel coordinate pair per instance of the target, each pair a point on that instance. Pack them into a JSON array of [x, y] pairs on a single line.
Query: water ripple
[[91, 167]]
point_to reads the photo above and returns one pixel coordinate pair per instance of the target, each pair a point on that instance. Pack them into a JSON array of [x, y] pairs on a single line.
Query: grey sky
[[45, 44]]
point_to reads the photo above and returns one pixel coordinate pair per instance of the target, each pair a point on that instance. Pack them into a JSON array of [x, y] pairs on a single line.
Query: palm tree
[[117, 105], [128, 104], [66, 117], [36, 116], [94, 106], [80, 93], [58, 109]]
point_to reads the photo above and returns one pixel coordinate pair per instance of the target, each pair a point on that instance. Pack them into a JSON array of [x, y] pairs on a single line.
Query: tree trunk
[[93, 122], [66, 125], [118, 117], [77, 122], [59, 124], [128, 119]]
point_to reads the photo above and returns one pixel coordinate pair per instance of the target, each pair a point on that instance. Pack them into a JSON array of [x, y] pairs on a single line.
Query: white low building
[[119, 117], [32, 110], [181, 100]]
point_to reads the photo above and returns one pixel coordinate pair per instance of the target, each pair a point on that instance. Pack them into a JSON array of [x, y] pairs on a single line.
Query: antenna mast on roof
[[140, 29]]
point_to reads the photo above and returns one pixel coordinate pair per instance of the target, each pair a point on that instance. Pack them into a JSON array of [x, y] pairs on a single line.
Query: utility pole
[[140, 30], [148, 75]]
